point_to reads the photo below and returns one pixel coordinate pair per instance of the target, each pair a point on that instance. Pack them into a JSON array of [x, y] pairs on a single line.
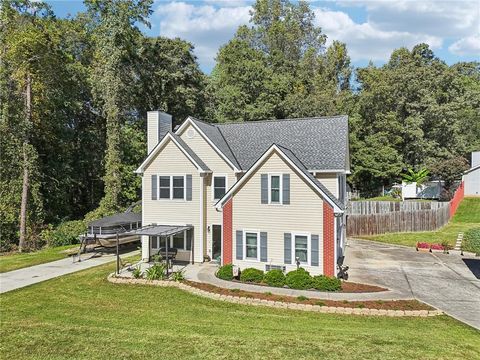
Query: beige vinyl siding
[[330, 180], [170, 160], [219, 167], [303, 215]]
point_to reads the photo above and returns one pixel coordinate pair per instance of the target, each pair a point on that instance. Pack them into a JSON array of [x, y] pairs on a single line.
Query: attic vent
[[190, 133]]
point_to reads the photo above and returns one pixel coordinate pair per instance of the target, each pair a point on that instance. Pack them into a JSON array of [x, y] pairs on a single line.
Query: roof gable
[[287, 156], [186, 150], [214, 137]]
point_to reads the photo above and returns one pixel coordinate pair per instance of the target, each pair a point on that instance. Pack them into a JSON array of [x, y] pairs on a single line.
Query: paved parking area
[[444, 281]]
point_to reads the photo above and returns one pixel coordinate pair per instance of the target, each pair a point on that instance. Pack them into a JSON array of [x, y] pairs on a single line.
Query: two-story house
[[258, 194]]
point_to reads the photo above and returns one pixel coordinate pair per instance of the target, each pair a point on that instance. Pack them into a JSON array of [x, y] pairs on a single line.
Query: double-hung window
[[275, 189], [171, 187], [219, 187], [251, 245], [301, 248], [164, 187], [178, 187]]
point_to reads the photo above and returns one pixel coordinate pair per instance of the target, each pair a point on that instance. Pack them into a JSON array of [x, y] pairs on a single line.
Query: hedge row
[[471, 241], [296, 279]]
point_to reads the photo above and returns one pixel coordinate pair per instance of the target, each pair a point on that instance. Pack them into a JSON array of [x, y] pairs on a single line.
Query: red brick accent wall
[[457, 199], [227, 232], [328, 240]]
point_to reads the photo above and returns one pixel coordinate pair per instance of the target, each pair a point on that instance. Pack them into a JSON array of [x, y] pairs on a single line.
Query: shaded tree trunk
[[25, 185]]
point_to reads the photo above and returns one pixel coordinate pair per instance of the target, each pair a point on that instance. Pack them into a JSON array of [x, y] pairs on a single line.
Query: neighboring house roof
[[321, 143], [290, 158], [472, 169], [201, 166]]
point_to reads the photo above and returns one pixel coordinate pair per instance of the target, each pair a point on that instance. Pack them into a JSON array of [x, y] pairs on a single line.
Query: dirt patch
[[371, 304]]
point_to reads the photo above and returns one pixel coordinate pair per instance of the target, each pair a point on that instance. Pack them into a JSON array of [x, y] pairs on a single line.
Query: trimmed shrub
[[275, 278], [471, 241], [251, 275], [64, 234], [299, 279], [326, 283], [225, 272]]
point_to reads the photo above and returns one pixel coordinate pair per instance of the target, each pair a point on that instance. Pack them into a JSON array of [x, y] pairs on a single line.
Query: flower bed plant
[[225, 272], [275, 278], [299, 279], [432, 246]]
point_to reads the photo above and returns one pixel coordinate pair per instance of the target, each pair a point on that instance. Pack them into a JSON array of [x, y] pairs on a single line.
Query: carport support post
[[118, 256], [166, 250]]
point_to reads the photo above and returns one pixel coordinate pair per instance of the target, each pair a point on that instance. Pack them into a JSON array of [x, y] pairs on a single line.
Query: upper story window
[[219, 186], [171, 187], [275, 187], [178, 187], [164, 187]]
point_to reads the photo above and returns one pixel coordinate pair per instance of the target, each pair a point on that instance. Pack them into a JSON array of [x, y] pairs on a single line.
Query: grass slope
[[15, 261], [466, 217], [82, 316]]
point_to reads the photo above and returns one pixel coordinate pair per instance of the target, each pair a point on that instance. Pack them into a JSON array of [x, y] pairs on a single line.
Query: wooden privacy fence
[[379, 217]]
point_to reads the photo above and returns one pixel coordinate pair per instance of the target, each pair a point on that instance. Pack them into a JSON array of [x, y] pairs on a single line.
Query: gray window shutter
[[286, 189], [264, 188], [239, 245], [263, 246], [287, 248], [314, 250], [189, 187], [154, 187]]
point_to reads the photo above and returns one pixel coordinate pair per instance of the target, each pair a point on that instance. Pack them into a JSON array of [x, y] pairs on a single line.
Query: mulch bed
[[370, 304], [347, 287]]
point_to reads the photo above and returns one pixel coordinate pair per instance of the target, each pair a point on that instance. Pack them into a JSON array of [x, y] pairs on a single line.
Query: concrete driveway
[[444, 281]]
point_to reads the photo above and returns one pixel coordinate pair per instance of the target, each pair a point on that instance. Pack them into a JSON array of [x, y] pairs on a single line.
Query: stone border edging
[[275, 304]]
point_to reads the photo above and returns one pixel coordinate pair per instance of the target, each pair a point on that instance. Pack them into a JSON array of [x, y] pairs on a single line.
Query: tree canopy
[[74, 95]]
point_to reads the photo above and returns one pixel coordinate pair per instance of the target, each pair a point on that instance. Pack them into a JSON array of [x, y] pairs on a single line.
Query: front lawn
[[83, 316], [466, 217], [15, 261]]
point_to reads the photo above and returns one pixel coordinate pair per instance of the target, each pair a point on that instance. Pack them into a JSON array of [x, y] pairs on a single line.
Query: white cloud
[[365, 41], [206, 26], [466, 46], [435, 18]]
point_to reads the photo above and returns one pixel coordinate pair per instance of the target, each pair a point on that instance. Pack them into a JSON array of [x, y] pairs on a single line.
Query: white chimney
[[475, 158], [158, 124]]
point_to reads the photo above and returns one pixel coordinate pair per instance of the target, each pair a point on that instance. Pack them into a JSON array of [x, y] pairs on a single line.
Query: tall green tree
[[115, 34], [278, 67]]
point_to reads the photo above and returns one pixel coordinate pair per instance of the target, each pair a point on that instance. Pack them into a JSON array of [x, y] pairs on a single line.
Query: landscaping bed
[[371, 304], [299, 279]]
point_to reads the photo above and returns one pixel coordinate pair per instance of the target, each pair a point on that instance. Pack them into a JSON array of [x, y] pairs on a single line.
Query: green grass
[[466, 217], [15, 261], [82, 316], [380, 198]]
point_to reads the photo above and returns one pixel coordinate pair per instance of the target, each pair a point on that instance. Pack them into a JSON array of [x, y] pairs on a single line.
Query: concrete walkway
[[444, 281], [16, 279]]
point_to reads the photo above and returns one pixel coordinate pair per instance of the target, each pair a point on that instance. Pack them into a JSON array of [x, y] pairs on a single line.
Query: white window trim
[[213, 185], [309, 247], [245, 245], [280, 195], [171, 187]]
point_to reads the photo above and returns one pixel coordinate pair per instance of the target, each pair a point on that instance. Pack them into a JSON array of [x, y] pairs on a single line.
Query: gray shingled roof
[[320, 143], [190, 152], [302, 168]]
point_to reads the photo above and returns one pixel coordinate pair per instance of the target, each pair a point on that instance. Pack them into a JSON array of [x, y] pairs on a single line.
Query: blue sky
[[371, 29]]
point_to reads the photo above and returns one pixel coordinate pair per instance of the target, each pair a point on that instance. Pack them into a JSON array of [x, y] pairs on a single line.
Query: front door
[[217, 242]]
